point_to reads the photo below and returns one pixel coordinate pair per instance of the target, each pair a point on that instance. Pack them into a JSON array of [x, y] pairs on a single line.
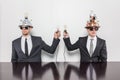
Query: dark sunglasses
[[24, 28], [92, 28]]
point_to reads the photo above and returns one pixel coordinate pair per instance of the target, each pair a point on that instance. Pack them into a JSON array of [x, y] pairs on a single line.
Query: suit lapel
[[33, 44], [84, 42], [19, 45], [97, 46]]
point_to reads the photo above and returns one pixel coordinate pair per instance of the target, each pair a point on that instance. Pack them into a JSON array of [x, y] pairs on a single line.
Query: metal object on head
[[26, 22], [93, 20]]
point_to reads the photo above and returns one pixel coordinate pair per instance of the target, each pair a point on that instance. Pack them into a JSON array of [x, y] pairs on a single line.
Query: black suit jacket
[[35, 54], [100, 52]]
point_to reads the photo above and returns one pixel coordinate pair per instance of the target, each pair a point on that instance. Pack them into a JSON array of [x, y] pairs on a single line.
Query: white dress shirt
[[29, 42], [94, 43]]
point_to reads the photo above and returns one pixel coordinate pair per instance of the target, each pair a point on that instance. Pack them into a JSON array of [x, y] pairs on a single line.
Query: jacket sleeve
[[103, 54], [14, 54], [50, 49], [70, 46]]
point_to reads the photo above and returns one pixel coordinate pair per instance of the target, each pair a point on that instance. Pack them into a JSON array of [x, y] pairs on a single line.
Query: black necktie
[[26, 47]]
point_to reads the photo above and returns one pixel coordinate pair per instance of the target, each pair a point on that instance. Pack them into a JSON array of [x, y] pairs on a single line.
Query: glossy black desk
[[60, 71]]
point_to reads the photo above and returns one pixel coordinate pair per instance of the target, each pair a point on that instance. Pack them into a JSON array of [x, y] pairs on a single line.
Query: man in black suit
[[28, 48], [92, 48]]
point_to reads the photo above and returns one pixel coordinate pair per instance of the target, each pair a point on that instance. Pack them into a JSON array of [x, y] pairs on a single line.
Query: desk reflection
[[87, 71], [31, 71]]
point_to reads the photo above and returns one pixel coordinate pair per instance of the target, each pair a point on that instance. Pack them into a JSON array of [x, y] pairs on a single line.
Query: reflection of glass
[[99, 70], [31, 71]]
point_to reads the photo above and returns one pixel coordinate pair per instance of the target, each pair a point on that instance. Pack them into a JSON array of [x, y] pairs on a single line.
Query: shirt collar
[[28, 37], [94, 38]]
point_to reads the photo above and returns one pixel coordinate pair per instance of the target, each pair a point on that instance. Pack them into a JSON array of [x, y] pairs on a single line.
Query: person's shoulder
[[16, 40], [101, 39], [84, 37], [36, 37]]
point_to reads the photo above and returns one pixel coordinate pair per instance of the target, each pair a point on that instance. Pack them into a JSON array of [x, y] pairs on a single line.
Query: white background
[[47, 15]]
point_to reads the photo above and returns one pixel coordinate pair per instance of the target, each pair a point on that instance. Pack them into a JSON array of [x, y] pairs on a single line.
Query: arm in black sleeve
[[50, 49], [70, 46]]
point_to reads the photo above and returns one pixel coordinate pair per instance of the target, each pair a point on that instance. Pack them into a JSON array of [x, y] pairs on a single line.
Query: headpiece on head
[[26, 22], [92, 22]]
